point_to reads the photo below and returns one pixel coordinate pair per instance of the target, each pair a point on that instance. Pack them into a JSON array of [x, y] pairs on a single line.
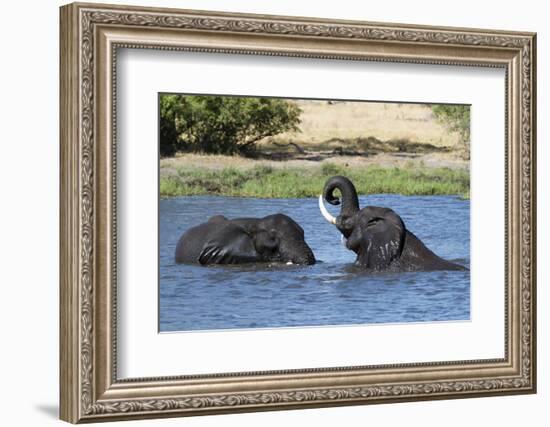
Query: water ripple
[[332, 292]]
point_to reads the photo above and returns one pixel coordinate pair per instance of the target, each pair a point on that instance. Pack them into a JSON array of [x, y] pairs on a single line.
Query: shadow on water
[[333, 291]]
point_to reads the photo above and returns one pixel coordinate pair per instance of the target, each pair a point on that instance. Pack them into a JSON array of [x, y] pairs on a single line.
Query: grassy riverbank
[[290, 182]]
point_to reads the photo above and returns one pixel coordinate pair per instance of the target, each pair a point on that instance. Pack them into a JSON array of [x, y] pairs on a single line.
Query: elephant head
[[274, 238], [377, 235], [278, 238]]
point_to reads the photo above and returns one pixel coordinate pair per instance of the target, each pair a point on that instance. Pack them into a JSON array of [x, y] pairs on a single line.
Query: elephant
[[273, 239], [378, 235]]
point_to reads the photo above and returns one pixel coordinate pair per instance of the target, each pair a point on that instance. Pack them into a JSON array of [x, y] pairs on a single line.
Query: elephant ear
[[266, 241], [230, 245], [379, 239]]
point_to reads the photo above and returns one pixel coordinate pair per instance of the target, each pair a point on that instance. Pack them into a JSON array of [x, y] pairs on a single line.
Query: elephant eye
[[270, 242], [347, 222]]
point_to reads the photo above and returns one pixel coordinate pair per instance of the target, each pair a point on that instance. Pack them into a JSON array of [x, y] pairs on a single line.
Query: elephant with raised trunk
[[274, 238], [378, 235]]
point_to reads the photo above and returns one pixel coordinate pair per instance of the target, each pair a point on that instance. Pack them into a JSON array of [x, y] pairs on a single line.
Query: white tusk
[[344, 241], [324, 211]]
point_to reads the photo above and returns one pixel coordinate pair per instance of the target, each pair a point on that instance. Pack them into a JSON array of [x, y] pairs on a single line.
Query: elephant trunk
[[297, 252], [350, 201]]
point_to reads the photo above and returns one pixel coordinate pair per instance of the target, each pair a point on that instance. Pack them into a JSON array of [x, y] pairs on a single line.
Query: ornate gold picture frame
[[91, 34]]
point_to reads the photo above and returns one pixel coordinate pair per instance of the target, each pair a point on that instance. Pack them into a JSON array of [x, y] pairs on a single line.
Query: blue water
[[332, 292]]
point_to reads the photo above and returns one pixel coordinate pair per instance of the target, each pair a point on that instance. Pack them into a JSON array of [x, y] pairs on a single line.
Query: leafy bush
[[457, 119], [169, 126], [222, 124]]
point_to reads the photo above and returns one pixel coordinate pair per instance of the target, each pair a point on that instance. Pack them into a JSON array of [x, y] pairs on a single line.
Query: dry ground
[[323, 121], [216, 162]]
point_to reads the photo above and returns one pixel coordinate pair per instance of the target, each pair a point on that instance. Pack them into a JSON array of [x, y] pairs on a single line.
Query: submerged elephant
[[274, 238], [378, 235]]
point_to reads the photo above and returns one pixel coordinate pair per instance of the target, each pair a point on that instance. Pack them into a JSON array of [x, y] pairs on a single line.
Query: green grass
[[268, 182]]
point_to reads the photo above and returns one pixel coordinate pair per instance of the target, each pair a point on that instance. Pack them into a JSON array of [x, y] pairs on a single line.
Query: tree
[[170, 141], [457, 119], [222, 124]]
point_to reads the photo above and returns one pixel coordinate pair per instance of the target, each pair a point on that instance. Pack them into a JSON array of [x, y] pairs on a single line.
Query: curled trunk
[[350, 201]]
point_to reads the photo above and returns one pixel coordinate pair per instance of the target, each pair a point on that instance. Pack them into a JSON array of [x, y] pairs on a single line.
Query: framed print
[[265, 212]]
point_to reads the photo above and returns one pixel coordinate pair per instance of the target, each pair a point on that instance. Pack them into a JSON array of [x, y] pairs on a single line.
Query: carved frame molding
[[90, 36]]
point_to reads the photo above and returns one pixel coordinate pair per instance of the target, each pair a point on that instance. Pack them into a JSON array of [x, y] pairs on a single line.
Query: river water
[[332, 292]]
